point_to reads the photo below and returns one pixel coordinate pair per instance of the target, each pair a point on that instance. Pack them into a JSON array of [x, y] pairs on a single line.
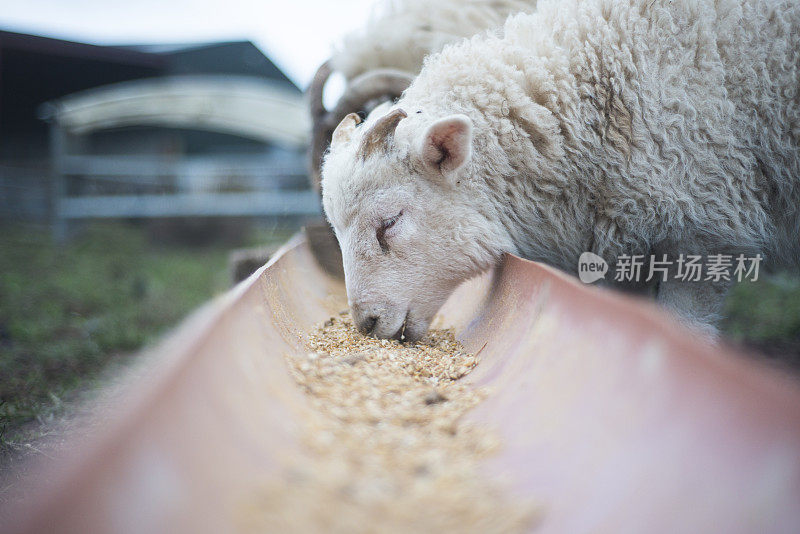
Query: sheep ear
[[447, 144], [344, 131]]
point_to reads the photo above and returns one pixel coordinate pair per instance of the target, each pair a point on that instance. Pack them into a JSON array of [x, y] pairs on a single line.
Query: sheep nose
[[365, 321], [367, 324]]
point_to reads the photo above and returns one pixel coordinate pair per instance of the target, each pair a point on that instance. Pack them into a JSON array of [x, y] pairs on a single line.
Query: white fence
[[89, 187]]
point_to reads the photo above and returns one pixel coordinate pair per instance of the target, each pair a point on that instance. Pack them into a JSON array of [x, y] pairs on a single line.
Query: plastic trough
[[611, 415]]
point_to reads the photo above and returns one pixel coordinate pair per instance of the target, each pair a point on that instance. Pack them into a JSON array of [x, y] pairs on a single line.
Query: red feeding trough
[[608, 413]]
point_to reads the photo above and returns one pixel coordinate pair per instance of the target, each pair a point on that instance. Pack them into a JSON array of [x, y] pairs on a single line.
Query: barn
[[87, 131]]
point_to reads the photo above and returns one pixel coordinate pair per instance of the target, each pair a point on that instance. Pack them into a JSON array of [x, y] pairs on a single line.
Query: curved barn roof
[[245, 106]]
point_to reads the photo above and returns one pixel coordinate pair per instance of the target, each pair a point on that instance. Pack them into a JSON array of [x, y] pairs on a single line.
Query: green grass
[[67, 312], [765, 312]]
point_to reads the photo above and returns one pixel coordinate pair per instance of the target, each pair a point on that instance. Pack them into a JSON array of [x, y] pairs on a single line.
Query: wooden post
[[57, 181]]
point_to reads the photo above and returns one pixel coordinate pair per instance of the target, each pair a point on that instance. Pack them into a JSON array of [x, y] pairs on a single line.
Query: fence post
[[57, 181]]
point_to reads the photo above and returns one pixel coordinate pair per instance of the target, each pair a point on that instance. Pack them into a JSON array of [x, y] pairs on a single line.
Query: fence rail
[[130, 186], [190, 205]]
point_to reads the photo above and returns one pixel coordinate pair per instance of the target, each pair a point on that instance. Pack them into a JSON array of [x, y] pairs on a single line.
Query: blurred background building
[[203, 129]]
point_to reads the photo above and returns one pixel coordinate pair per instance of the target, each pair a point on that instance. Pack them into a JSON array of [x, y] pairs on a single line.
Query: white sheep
[[401, 33], [381, 59], [611, 126]]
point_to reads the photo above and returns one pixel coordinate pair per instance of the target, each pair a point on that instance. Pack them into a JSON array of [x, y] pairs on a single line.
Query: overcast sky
[[295, 34]]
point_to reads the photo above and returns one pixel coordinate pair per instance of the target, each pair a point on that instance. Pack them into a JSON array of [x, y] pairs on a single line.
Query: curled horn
[[321, 129], [379, 85], [381, 133], [363, 93], [316, 90]]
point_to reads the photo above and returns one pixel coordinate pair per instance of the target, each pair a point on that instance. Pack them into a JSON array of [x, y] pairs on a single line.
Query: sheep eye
[[381, 231], [388, 223]]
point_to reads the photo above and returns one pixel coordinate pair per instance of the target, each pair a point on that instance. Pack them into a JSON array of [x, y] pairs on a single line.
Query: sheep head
[[362, 94], [408, 230]]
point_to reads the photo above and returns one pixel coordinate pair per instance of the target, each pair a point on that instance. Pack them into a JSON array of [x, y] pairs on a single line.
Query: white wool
[[612, 126], [401, 33]]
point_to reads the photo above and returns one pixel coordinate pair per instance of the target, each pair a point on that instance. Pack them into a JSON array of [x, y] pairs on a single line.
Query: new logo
[[591, 267]]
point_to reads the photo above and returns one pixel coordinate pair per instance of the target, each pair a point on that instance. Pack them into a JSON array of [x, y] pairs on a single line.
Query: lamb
[[617, 127], [380, 60]]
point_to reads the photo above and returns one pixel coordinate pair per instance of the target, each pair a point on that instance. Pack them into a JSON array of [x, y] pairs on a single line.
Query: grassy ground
[[67, 313], [765, 316]]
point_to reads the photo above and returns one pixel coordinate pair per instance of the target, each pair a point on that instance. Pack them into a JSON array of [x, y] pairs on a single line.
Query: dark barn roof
[[35, 69], [241, 58]]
